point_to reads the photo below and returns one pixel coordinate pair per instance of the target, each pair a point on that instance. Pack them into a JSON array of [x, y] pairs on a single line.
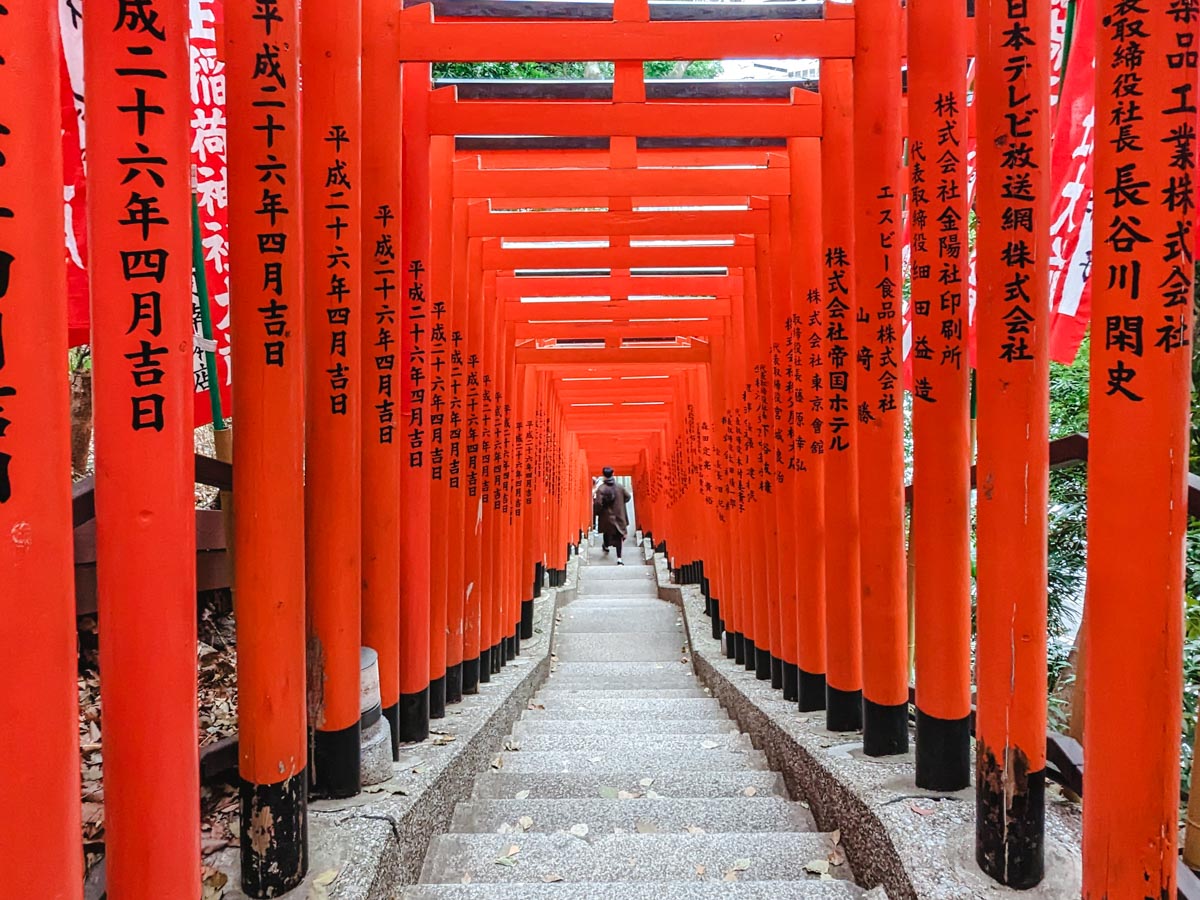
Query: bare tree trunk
[[81, 420]]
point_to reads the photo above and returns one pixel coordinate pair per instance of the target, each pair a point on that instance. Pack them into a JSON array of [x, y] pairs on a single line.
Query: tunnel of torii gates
[[698, 285]]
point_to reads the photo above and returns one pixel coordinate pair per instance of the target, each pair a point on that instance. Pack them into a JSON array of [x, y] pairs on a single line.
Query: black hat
[[608, 472]]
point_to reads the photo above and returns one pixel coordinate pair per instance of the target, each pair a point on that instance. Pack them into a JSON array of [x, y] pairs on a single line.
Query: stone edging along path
[[372, 846], [912, 842]]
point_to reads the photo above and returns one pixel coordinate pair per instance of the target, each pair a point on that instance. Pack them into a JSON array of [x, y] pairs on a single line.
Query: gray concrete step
[[631, 571], [640, 815], [624, 857], [619, 647], [626, 669], [602, 683], [624, 726], [605, 743], [601, 619], [630, 707], [650, 693], [688, 890], [600, 783], [625, 710], [638, 758]]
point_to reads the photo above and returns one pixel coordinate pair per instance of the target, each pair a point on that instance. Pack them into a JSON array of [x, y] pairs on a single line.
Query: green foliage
[[702, 68]]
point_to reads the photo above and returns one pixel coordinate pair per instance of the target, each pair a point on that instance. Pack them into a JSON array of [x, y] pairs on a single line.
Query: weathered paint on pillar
[[39, 759], [1145, 215], [333, 272], [843, 610], [879, 414], [139, 220], [1012, 326], [381, 384], [267, 320], [937, 115]]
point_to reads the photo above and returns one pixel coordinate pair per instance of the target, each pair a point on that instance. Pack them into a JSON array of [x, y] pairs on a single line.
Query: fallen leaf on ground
[[741, 865], [646, 826], [466, 878], [508, 857], [653, 795], [626, 795], [522, 795], [750, 791], [646, 782], [920, 810], [608, 793], [498, 762], [695, 829], [700, 870], [550, 879], [579, 830], [709, 745], [817, 866], [837, 857], [213, 883], [836, 836], [526, 822]]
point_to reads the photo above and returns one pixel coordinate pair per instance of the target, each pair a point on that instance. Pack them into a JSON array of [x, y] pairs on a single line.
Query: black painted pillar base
[[1010, 813], [751, 662], [776, 673], [470, 676], [539, 573], [843, 709], [497, 660], [454, 684], [392, 714], [336, 767], [810, 691], [885, 728], [414, 716], [527, 619], [510, 647], [762, 664], [739, 648], [943, 753], [280, 865], [791, 682], [485, 666], [717, 625], [437, 697]]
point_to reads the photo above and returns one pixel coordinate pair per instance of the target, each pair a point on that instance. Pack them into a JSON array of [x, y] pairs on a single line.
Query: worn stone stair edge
[[873, 802], [376, 841]]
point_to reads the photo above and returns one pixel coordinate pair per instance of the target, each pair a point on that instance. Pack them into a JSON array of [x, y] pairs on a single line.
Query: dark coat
[[614, 519]]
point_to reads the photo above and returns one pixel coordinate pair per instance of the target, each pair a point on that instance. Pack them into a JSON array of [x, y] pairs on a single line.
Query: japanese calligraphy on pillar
[[486, 439], [501, 501], [338, 286], [457, 390], [386, 344], [474, 400], [140, 206], [438, 362], [416, 339], [810, 348], [269, 188], [837, 357], [939, 271], [878, 315]]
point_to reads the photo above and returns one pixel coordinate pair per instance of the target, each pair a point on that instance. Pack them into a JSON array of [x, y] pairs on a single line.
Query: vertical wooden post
[[811, 385], [139, 212], [472, 520], [332, 152], [414, 360], [843, 608], [937, 112], [267, 310], [1012, 327], [39, 760], [382, 432], [879, 412], [1146, 70]]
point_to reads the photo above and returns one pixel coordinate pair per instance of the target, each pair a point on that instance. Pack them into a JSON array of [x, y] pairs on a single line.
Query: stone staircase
[[624, 779]]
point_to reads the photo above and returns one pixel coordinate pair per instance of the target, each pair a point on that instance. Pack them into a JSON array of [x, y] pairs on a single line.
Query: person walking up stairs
[[624, 779]]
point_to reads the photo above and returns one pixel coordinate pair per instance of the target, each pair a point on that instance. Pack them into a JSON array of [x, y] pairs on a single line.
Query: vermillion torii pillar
[[267, 310], [1146, 70], [937, 115], [332, 154], [1012, 327], [879, 414], [139, 214], [39, 759]]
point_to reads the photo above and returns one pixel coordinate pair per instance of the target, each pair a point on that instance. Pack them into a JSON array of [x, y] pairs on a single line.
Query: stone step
[[632, 759], [502, 785], [604, 743], [650, 693], [628, 711], [617, 621], [626, 857], [630, 707], [624, 726], [628, 683], [631, 571], [627, 669], [640, 815], [683, 890], [619, 647]]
